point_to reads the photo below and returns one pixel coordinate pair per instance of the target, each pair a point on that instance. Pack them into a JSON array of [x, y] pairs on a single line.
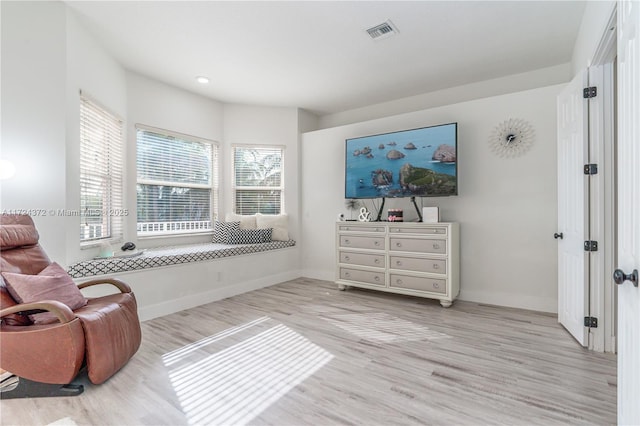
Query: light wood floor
[[304, 353]]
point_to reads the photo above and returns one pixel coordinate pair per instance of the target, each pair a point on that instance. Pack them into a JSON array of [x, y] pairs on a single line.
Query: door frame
[[602, 190]]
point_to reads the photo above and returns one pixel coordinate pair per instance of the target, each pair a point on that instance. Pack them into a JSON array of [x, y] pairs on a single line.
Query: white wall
[[47, 57], [33, 114], [498, 86], [156, 104], [90, 68], [506, 207], [307, 121], [265, 126], [167, 290], [162, 291], [39, 134]]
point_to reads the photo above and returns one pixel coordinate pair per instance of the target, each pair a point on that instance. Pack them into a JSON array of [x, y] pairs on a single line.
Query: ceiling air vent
[[384, 30]]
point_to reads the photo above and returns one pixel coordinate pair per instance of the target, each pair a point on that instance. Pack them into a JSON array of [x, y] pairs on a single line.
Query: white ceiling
[[317, 55]]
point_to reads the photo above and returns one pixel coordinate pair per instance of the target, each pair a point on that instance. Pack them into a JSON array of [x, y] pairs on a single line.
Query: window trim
[[116, 194], [280, 188], [214, 197]]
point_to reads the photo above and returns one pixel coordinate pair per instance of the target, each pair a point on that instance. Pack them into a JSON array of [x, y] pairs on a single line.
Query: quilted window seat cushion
[[173, 255]]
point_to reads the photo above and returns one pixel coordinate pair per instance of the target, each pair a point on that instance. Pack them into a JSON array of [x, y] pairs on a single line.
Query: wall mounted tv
[[410, 163]]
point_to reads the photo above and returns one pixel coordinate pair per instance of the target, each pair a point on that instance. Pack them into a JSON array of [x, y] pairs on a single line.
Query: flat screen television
[[410, 163]]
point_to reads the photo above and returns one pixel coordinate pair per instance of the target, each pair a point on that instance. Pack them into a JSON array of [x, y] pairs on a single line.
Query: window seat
[[170, 255]]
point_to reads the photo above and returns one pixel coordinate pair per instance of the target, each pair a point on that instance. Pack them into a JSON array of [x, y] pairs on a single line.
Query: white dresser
[[418, 259]]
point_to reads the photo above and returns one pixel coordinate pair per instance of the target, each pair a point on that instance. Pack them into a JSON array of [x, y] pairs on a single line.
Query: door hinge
[[590, 169], [590, 245], [591, 322], [589, 92]]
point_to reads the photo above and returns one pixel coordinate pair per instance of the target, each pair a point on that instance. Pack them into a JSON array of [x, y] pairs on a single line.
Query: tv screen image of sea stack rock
[[418, 162]]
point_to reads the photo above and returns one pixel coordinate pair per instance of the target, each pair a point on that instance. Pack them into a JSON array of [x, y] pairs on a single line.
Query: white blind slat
[[258, 182], [177, 189], [101, 143]]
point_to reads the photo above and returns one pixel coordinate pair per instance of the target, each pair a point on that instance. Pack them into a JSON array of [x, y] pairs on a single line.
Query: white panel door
[[628, 211], [573, 292]]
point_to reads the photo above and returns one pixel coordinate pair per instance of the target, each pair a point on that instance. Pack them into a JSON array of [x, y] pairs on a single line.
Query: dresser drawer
[[432, 285], [435, 266], [417, 259], [418, 245], [356, 228], [365, 242], [374, 278], [435, 230], [363, 259]]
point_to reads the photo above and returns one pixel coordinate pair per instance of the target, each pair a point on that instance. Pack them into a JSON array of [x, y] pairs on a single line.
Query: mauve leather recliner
[[101, 336]]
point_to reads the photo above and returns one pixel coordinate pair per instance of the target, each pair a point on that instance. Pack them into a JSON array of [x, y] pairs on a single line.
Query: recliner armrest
[[121, 285], [59, 309]]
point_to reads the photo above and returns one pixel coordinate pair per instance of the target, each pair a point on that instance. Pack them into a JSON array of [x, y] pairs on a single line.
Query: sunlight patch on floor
[[67, 421], [177, 355], [234, 385], [379, 327]]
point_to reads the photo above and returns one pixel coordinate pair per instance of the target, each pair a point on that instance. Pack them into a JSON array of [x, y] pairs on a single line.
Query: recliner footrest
[[30, 389]]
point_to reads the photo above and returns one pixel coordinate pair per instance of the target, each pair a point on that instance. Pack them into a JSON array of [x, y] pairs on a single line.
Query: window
[[258, 186], [101, 210], [177, 185]]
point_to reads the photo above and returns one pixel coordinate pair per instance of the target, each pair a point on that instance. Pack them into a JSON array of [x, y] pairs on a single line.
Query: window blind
[[101, 142], [258, 183], [177, 182]]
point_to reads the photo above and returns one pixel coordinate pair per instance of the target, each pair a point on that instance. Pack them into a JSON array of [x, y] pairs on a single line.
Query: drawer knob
[[436, 285], [398, 262], [346, 274], [398, 244], [347, 242], [435, 266], [347, 258], [376, 243], [398, 281], [377, 278], [376, 261], [436, 246]]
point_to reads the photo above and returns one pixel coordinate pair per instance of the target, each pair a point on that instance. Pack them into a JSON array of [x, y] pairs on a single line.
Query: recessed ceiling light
[[202, 79]]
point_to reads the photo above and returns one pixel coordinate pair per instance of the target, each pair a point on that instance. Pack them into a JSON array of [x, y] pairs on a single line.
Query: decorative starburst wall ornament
[[511, 138]]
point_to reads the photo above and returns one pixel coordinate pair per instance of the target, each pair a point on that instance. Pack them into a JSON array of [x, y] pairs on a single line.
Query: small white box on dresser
[[417, 259], [430, 214]]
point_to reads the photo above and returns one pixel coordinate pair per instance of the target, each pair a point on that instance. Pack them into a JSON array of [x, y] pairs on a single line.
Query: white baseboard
[[193, 300], [533, 303], [190, 301], [319, 274]]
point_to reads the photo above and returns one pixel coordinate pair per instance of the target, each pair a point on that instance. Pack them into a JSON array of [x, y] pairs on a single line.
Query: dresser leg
[[342, 287], [446, 303]]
